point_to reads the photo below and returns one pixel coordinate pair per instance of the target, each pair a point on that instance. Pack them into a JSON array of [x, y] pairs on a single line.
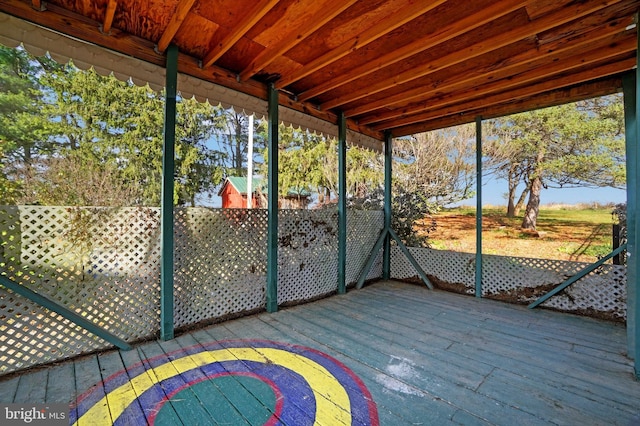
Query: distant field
[[565, 233]]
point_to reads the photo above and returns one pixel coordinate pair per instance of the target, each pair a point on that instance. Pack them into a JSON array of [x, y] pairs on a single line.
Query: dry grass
[[576, 233]]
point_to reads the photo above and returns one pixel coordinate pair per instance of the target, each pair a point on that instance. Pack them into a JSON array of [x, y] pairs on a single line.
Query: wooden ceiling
[[400, 65]]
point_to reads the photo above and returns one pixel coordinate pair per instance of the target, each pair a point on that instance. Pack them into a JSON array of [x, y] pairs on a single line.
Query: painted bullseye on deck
[[231, 382]]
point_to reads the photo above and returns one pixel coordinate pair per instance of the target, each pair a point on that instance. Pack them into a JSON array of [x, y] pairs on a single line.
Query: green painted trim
[[367, 267], [166, 215], [582, 273], [65, 312], [633, 195], [478, 289], [388, 180], [272, 207], [411, 259], [629, 88], [342, 203]]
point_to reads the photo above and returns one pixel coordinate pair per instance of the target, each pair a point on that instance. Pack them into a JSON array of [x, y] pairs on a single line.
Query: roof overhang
[[398, 66]]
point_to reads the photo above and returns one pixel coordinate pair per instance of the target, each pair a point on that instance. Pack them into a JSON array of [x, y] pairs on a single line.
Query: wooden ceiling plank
[[176, 21], [605, 30], [382, 28], [269, 54], [601, 87], [248, 21], [108, 16], [512, 95], [439, 36], [542, 70], [547, 22]]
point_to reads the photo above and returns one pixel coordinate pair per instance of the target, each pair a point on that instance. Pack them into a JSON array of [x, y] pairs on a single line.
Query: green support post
[[479, 206], [166, 215], [629, 88], [386, 254], [272, 207], [342, 203]]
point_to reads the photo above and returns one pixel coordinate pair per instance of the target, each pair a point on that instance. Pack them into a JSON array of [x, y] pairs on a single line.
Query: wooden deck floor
[[399, 353]]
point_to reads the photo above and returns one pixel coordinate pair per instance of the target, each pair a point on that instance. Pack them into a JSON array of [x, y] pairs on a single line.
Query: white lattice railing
[[104, 263], [522, 280]]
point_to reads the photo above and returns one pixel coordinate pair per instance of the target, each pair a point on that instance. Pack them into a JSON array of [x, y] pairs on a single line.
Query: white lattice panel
[[220, 263], [454, 268], [102, 263], [522, 280], [307, 254], [363, 230], [31, 335]]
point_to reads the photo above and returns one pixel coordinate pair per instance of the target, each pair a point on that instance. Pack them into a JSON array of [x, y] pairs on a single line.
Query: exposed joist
[[495, 70], [539, 70], [247, 22], [559, 82], [176, 21], [308, 26], [601, 87], [379, 30], [576, 11], [435, 38], [108, 16]]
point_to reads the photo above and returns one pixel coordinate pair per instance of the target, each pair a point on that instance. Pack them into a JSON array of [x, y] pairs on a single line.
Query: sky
[[494, 193]]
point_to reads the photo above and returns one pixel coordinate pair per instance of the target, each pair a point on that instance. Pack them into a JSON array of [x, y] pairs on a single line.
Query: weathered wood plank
[[89, 382], [8, 388], [32, 387], [61, 387]]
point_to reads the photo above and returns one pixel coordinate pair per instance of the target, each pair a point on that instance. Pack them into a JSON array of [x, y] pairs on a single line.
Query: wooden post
[[272, 207], [166, 215], [342, 203], [478, 206], [386, 255]]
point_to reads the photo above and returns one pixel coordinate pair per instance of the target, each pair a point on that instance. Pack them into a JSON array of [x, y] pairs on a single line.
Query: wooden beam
[[462, 76], [483, 46], [247, 22], [176, 21], [569, 79], [74, 25], [37, 5], [371, 34], [435, 38], [601, 87], [108, 16], [306, 26], [539, 70]]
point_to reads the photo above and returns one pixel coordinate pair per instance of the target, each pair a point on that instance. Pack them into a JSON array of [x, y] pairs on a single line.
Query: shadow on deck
[[392, 354]]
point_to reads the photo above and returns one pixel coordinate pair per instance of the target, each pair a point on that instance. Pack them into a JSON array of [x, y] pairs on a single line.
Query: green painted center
[[224, 400]]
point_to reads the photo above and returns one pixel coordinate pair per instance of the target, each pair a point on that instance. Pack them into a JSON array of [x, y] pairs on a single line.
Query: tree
[[572, 145], [85, 121], [23, 131], [438, 164]]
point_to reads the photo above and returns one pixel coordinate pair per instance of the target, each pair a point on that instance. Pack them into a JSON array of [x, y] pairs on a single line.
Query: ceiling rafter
[[545, 67], [269, 54], [247, 22], [439, 36], [544, 23], [566, 79], [176, 21], [601, 87], [108, 16], [382, 28], [494, 71]]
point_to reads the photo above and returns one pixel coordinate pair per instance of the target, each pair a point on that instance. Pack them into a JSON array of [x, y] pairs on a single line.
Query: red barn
[[234, 193]]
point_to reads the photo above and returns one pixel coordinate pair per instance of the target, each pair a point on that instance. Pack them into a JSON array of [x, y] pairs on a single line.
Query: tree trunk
[[533, 206], [520, 202]]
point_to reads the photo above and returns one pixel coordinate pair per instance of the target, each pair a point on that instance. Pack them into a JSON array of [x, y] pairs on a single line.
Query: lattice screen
[[104, 263], [522, 280], [100, 262], [220, 263]]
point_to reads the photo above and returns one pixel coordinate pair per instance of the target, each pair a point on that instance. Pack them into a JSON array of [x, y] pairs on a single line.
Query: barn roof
[[402, 66], [240, 184]]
